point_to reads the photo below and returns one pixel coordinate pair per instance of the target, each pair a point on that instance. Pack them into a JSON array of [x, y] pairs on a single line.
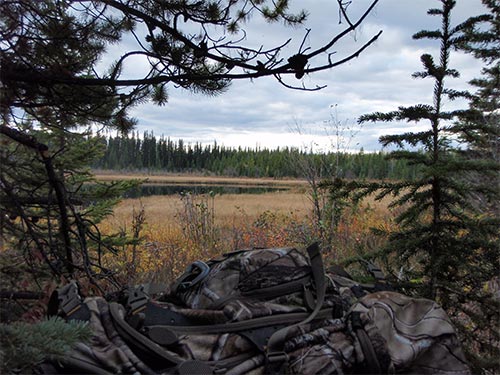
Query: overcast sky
[[263, 113]]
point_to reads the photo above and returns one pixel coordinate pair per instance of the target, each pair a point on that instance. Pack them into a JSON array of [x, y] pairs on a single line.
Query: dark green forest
[[149, 153]]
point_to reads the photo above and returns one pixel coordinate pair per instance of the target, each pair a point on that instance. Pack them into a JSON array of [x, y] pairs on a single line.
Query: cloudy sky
[[262, 113]]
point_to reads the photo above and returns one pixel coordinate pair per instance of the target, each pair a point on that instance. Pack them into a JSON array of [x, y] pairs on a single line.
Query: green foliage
[[448, 224], [24, 345], [32, 223], [49, 207], [52, 84], [438, 217]]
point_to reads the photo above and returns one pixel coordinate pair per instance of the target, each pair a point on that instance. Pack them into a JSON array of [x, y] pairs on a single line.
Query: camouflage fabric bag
[[262, 311]]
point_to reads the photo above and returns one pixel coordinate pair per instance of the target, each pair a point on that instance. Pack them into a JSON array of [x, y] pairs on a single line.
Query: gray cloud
[[262, 112]]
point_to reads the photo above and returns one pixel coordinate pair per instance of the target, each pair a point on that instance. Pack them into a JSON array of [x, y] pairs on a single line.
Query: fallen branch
[[8, 294]]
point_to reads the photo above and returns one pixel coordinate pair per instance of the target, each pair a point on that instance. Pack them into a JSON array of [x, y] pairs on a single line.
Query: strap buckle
[[195, 274], [70, 300], [375, 271], [137, 299]]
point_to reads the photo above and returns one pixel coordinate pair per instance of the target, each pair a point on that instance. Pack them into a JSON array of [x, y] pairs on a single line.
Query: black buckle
[[137, 300], [70, 300], [195, 274], [375, 272]]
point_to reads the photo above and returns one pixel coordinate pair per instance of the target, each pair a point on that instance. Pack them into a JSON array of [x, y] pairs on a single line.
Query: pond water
[[147, 190]]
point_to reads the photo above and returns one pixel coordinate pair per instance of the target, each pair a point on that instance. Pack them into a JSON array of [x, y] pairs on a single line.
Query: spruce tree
[[446, 247], [46, 214], [441, 233], [479, 318]]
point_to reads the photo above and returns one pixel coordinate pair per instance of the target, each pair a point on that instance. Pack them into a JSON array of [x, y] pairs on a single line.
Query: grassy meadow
[[175, 230]]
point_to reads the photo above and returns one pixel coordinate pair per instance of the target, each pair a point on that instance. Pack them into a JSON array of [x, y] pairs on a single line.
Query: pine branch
[[23, 345]]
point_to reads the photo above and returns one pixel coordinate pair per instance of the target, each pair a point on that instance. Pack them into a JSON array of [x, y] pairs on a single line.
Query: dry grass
[[169, 242], [177, 231], [162, 210]]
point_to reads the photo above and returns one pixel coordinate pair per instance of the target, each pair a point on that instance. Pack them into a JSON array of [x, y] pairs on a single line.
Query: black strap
[[276, 357], [141, 312], [260, 336], [156, 315], [380, 280], [372, 363], [193, 368], [267, 293], [138, 341], [145, 346], [376, 272]]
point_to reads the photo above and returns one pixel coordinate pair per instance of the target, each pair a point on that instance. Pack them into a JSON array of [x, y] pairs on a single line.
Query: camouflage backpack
[[261, 311]]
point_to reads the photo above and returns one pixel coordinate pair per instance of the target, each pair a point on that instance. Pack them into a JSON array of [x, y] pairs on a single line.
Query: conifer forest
[[160, 154]]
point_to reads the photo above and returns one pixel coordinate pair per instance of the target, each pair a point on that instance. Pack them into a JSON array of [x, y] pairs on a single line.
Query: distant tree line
[[151, 153]]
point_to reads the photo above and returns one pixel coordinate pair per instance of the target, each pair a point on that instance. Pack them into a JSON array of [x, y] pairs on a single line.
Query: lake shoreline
[[194, 179]]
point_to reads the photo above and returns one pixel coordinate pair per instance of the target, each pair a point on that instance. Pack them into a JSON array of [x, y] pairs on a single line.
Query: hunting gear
[[260, 311]]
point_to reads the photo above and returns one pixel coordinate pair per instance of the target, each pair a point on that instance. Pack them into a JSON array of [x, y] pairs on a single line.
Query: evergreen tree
[[43, 158], [481, 37], [480, 130], [437, 224], [447, 245], [54, 238], [24, 346]]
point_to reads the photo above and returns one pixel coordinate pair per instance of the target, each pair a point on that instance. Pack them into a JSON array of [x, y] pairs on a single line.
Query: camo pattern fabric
[[322, 347], [107, 350], [244, 271], [417, 334], [408, 335]]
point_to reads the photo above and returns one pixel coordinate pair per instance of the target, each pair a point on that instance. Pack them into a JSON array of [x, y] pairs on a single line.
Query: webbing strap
[[372, 363], [275, 347], [139, 341], [193, 368], [271, 292], [166, 358], [255, 323]]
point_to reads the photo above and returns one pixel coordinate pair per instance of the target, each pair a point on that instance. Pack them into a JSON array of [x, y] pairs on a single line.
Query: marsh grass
[[181, 229]]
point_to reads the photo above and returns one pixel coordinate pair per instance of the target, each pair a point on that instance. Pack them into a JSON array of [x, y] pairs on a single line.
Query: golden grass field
[[162, 210], [178, 231]]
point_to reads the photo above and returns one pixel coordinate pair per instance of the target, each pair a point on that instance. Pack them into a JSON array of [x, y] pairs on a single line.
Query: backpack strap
[[297, 285], [142, 312], [275, 354], [371, 359], [139, 341], [380, 280], [150, 343]]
